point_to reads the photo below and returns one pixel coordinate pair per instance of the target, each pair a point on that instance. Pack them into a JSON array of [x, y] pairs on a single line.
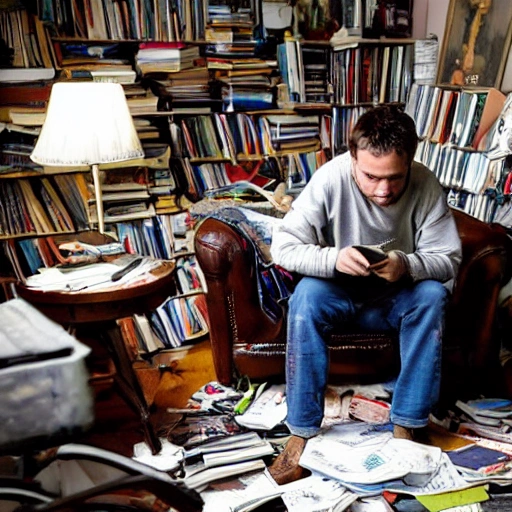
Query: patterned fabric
[[274, 283]]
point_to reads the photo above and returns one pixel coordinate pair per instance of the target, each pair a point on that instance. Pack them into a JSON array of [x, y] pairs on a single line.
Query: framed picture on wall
[[476, 42]]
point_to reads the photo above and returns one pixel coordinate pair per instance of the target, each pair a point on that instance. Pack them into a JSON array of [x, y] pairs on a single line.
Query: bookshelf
[[459, 129], [214, 103]]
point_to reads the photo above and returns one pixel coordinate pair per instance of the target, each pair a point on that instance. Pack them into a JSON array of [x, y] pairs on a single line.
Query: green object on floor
[[442, 501], [251, 394]]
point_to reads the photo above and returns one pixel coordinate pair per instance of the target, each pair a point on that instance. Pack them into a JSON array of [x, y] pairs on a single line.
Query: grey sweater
[[331, 213]]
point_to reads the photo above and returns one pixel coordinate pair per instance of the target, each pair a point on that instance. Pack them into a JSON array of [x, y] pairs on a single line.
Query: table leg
[[129, 385]]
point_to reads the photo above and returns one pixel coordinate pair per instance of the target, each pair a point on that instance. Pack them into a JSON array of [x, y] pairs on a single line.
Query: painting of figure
[[476, 42]]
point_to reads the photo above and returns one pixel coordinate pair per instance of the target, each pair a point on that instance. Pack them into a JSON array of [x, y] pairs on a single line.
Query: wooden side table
[[102, 308]]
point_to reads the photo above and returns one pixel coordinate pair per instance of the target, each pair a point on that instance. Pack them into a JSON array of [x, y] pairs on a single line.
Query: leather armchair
[[245, 341]]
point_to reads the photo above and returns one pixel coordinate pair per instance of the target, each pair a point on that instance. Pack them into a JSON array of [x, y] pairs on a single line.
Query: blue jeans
[[415, 311]]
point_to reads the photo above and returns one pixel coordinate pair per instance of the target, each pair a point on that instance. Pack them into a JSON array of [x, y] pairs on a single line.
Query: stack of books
[[226, 457], [316, 74], [165, 57], [246, 83], [229, 32], [291, 132], [183, 91], [24, 103]]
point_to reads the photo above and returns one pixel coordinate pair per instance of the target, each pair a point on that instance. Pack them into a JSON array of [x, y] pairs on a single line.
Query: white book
[[478, 418], [150, 339], [234, 442], [121, 76], [126, 195], [26, 74], [201, 479], [263, 449]]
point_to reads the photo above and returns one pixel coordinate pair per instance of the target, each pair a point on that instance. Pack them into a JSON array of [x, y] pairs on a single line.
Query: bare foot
[[285, 468]]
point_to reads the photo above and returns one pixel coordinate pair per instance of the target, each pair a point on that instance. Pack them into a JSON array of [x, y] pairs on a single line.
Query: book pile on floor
[[226, 438]]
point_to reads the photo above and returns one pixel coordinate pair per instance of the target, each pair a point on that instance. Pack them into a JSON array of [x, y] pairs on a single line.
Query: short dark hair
[[384, 129]]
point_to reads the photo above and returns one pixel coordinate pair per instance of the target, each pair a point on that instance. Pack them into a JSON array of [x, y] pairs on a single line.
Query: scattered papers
[[446, 478], [378, 460], [267, 411], [312, 494], [93, 277], [170, 457], [316, 494], [351, 460]]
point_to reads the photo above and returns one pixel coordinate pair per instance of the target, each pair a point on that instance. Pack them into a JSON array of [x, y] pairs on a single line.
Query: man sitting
[[373, 195]]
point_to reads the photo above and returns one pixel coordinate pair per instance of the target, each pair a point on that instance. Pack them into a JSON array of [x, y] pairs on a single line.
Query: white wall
[[436, 17]]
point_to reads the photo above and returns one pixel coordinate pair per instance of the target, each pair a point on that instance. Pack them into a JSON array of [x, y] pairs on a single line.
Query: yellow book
[[39, 218], [63, 217]]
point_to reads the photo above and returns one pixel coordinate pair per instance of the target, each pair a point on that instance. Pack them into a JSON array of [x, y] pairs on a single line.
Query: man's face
[[382, 179]]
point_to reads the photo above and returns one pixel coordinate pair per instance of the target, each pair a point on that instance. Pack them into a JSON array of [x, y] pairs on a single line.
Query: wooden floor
[[118, 428]]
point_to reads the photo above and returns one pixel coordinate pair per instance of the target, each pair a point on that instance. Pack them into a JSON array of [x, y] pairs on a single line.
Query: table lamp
[[87, 123]]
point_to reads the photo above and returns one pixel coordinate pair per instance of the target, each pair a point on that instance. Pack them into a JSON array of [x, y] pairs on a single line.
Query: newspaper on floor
[[344, 456], [445, 479], [315, 493], [245, 492]]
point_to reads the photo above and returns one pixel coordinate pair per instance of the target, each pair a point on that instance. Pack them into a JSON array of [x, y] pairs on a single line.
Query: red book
[[152, 45], [26, 93]]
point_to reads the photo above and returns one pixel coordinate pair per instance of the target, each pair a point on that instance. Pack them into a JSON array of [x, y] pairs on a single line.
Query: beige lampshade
[[87, 123]]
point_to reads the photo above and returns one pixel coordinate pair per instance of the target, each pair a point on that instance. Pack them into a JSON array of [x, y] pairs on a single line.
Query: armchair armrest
[[470, 325], [227, 262]]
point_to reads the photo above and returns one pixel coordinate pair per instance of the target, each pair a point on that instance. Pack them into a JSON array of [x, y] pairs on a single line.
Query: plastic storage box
[[44, 389]]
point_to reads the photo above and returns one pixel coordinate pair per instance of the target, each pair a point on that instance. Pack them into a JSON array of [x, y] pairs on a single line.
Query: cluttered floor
[[221, 442]]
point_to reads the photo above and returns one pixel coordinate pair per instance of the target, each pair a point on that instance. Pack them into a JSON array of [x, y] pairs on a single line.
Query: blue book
[[477, 457], [31, 255]]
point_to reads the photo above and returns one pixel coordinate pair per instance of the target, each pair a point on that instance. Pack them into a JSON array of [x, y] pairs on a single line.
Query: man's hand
[[350, 261], [392, 268]]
